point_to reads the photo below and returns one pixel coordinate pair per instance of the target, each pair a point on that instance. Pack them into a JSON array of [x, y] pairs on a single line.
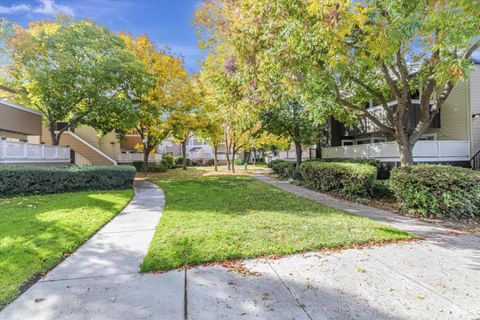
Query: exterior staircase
[[475, 161], [82, 147]]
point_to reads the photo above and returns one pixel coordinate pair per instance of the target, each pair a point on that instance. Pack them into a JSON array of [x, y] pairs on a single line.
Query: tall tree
[[152, 106], [292, 120], [343, 54], [73, 72], [184, 117]]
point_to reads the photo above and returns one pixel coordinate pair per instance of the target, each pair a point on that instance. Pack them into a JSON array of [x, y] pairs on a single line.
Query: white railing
[[22, 152], [423, 151], [138, 156]]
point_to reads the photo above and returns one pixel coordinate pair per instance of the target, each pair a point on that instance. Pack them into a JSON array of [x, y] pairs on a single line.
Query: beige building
[[453, 137], [20, 137]]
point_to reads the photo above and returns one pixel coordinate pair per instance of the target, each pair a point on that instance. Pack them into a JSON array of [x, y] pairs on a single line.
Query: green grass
[[37, 231], [211, 218]]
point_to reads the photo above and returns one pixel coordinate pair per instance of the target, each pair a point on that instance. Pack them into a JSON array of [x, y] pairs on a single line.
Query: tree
[[154, 101], [184, 117], [73, 72], [226, 93], [292, 120], [343, 54]]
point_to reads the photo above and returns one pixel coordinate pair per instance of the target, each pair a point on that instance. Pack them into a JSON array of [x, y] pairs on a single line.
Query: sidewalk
[[101, 279]]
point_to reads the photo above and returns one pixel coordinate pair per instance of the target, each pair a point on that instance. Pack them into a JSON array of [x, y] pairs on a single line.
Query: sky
[[166, 22]]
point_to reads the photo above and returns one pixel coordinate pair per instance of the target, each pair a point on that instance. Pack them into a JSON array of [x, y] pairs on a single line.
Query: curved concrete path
[[101, 279], [434, 279]]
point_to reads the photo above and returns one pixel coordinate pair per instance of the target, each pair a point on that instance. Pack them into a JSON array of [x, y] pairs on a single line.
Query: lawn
[[211, 217], [36, 232]]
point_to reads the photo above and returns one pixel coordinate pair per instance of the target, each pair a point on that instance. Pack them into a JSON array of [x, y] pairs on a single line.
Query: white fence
[[138, 156], [22, 152], [423, 151]]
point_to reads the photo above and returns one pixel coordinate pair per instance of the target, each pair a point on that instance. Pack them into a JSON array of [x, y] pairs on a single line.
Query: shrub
[[202, 162], [287, 169], [159, 167], [23, 180], [239, 162], [383, 190], [273, 162], [169, 159], [437, 190], [372, 162], [354, 180], [179, 161], [139, 165]]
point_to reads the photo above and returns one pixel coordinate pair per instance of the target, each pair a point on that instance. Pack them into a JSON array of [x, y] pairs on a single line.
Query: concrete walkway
[[101, 279], [438, 278]]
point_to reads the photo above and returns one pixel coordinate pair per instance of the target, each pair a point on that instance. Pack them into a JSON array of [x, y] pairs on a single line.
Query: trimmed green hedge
[[24, 180], [437, 190], [354, 180], [286, 169], [161, 166]]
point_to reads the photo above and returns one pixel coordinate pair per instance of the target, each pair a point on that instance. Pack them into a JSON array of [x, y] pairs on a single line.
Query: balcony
[[29, 153], [129, 157], [423, 151]]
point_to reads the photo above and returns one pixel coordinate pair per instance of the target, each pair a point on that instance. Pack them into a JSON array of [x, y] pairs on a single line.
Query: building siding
[[475, 108], [19, 121]]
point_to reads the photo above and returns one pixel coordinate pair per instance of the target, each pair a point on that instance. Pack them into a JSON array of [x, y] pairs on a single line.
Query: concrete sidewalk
[[438, 278], [101, 279]]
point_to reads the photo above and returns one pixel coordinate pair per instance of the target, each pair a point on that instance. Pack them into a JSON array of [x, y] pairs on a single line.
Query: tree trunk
[[298, 153], [233, 158], [246, 155], [146, 151], [227, 151], [406, 153], [254, 156], [184, 155], [53, 135], [215, 159]]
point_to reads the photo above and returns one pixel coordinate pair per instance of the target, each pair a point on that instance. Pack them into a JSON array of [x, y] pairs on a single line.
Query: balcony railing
[[22, 152], [138, 156], [423, 151]]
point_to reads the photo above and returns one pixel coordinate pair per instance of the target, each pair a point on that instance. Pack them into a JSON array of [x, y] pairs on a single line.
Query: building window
[[428, 137], [363, 141], [348, 142], [378, 140]]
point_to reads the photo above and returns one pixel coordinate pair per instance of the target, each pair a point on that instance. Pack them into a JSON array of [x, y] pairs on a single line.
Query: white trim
[[91, 147], [16, 106]]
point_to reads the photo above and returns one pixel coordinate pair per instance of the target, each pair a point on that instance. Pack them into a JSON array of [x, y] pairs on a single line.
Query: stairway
[[82, 147], [475, 161]]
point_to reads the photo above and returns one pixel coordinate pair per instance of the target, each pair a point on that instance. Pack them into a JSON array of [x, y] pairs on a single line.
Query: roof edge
[[16, 106]]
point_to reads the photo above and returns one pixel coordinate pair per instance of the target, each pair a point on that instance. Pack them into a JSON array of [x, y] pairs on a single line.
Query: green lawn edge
[[38, 232], [199, 235]]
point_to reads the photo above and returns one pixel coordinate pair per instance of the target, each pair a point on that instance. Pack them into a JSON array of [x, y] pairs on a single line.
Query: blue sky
[[167, 22]]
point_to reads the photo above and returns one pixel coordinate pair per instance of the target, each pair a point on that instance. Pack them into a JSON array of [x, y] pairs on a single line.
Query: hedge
[[354, 180], [179, 161], [161, 166], [286, 169], [24, 180], [437, 190]]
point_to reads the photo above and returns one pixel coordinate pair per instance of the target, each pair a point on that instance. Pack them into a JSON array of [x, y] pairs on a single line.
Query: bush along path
[[101, 279]]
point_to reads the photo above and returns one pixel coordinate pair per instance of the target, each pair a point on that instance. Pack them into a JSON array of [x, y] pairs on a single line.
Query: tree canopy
[[73, 72]]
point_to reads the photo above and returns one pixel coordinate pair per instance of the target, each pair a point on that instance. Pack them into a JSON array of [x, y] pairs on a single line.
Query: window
[[378, 140], [428, 137], [363, 141], [347, 142]]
